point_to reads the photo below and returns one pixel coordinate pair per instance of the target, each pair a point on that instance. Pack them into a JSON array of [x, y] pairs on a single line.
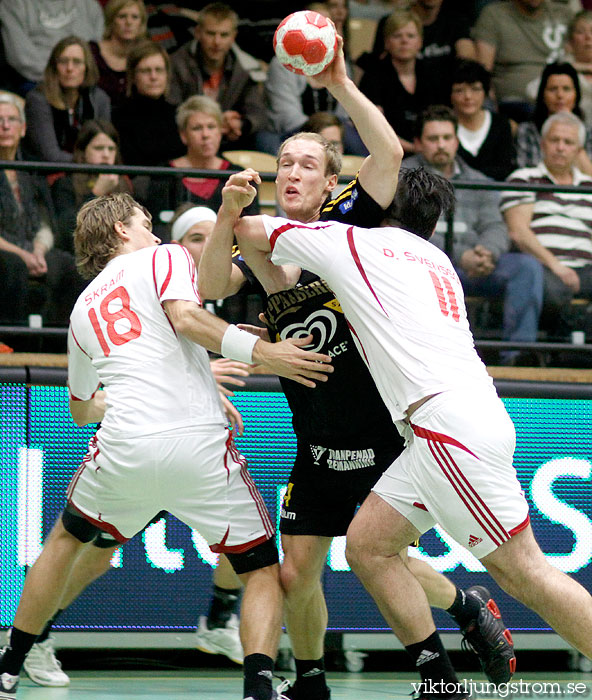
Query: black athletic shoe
[[489, 638], [291, 693], [8, 683]]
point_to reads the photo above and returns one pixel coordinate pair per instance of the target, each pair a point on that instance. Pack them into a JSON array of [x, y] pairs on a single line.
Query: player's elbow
[[213, 288], [393, 152], [79, 413]]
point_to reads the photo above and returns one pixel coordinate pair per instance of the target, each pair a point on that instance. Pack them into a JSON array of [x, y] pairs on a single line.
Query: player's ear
[[119, 227], [331, 182]]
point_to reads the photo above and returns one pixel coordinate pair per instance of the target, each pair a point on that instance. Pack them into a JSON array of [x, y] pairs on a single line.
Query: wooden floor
[[227, 685]]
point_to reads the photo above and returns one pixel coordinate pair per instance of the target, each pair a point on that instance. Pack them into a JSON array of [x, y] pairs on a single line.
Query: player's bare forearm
[[91, 411], [380, 171], [287, 358], [195, 323], [217, 277]]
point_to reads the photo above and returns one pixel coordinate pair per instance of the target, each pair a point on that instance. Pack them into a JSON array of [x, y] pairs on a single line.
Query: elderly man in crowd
[[555, 227]]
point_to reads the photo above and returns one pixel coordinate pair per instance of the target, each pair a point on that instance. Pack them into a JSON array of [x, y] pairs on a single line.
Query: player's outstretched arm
[[287, 358], [380, 171], [218, 278]]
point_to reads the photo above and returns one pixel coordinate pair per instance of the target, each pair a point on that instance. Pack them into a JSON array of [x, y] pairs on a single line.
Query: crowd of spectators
[[470, 88]]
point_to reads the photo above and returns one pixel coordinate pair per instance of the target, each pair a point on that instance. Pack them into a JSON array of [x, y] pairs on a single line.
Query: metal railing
[[170, 172]]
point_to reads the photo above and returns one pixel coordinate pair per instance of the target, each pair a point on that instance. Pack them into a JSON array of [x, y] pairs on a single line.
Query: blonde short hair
[[332, 155], [399, 19], [198, 103]]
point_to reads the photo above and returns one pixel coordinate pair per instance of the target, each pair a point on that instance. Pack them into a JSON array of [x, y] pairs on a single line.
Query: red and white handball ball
[[305, 42]]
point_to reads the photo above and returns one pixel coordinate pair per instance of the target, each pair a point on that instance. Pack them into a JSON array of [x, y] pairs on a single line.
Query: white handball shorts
[[196, 474], [457, 471]]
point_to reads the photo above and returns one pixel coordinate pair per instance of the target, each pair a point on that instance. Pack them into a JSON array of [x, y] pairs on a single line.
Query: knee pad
[[258, 557], [78, 526]]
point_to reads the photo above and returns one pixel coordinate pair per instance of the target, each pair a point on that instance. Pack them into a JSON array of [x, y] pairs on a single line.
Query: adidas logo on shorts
[[473, 540]]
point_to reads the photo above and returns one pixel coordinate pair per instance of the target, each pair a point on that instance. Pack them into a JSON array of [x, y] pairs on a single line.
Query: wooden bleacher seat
[[351, 164], [362, 31]]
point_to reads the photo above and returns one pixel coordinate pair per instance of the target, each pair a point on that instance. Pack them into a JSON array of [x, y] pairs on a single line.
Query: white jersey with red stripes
[[120, 337], [402, 298]]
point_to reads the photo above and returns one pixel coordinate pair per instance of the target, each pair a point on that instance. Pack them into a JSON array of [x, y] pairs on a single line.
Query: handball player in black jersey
[[345, 437]]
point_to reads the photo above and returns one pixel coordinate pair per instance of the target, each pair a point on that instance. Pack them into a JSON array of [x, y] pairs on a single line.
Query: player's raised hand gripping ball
[[305, 42]]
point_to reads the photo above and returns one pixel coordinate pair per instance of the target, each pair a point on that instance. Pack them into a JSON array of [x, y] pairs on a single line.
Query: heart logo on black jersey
[[321, 324]]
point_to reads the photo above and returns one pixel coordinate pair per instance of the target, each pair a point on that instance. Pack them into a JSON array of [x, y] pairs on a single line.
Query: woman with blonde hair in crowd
[[199, 120], [68, 96], [125, 25], [145, 120], [400, 83]]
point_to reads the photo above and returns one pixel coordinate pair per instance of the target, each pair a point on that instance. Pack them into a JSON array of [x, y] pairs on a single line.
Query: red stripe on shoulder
[[154, 270], [167, 280], [192, 272]]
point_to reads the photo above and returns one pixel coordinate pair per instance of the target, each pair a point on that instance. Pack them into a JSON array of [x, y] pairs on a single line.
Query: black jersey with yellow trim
[[353, 206], [346, 411]]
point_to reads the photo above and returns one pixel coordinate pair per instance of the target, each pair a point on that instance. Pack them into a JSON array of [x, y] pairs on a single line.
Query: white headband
[[189, 218]]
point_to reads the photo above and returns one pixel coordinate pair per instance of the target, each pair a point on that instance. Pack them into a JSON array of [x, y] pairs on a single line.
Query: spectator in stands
[[401, 84], [31, 28], [212, 65], [125, 24], [557, 229], [480, 240], [26, 238], [67, 97], [446, 34], [485, 138], [514, 41], [559, 91], [200, 124], [97, 144], [145, 120], [579, 52], [338, 11], [329, 126]]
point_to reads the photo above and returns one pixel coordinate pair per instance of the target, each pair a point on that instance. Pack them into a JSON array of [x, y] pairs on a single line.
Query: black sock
[[47, 629], [258, 674], [19, 646], [224, 602], [310, 677], [465, 608], [435, 669]]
